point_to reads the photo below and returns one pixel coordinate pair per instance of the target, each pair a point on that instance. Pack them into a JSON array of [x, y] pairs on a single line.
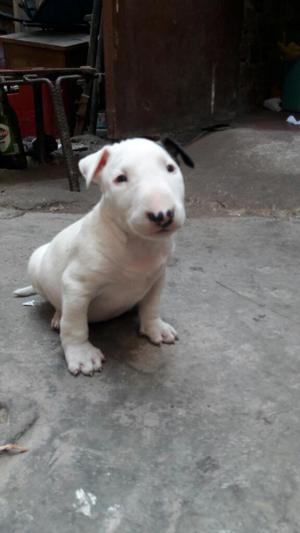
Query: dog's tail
[[25, 291]]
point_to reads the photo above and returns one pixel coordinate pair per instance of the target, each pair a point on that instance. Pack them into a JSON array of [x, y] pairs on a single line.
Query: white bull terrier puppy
[[115, 257]]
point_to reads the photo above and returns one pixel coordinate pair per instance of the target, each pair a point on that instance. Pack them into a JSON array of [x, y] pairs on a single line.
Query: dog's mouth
[[166, 229]]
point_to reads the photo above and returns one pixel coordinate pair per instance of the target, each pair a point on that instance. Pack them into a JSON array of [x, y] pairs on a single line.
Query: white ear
[[92, 165]]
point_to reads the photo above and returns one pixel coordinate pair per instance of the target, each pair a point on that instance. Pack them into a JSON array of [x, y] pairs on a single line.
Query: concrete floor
[[199, 437]]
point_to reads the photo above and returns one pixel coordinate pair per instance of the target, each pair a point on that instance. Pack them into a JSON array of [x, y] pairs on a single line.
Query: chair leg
[[64, 134], [39, 122]]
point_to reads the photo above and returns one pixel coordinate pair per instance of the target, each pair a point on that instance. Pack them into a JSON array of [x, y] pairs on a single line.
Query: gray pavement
[[251, 168], [200, 437]]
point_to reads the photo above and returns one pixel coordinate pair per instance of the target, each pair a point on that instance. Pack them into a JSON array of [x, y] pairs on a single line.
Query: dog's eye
[[170, 168], [121, 178]]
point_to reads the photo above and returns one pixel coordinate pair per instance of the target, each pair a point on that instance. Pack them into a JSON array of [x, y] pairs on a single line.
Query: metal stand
[[88, 103], [53, 78], [39, 121]]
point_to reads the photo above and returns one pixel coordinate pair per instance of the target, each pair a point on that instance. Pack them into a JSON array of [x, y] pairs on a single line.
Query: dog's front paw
[[159, 331], [84, 358]]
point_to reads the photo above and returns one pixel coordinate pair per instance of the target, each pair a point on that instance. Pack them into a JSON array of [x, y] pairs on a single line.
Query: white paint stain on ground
[[113, 519], [85, 502], [174, 510]]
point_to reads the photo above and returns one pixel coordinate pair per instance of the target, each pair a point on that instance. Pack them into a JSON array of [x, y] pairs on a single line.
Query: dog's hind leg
[[33, 271], [55, 322]]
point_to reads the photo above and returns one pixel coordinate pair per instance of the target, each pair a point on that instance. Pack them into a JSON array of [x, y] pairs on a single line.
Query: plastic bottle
[[12, 153]]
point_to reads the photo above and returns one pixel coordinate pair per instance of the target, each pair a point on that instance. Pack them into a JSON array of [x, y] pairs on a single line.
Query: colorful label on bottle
[[7, 144], [5, 138]]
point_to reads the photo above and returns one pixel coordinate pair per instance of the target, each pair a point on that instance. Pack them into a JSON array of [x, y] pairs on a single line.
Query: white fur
[[114, 257]]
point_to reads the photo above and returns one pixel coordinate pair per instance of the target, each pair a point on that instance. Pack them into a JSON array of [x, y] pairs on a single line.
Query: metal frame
[[53, 78]]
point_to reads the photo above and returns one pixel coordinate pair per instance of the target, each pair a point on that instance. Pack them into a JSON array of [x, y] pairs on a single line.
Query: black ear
[[175, 150]]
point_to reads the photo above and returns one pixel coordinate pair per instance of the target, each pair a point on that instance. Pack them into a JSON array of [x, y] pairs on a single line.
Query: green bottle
[[12, 153]]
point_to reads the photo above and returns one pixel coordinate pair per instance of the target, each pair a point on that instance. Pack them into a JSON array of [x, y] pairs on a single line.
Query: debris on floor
[[292, 120], [12, 447], [273, 104], [29, 303]]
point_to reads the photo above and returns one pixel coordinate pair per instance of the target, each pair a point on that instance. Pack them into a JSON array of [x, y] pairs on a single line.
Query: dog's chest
[[125, 284], [133, 276]]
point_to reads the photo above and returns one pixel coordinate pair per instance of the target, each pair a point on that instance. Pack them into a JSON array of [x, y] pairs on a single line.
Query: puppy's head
[[141, 184]]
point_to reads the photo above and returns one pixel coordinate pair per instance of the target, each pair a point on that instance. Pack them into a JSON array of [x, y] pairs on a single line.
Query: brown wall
[[170, 64]]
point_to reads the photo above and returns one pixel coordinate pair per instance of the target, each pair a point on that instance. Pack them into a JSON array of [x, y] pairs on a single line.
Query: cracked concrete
[[202, 436]]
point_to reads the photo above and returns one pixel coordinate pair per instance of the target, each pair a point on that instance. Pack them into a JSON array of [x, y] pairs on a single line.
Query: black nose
[[162, 219]]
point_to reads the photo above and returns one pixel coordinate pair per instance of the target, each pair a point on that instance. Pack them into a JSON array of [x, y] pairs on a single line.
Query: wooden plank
[[18, 56], [54, 41], [110, 60], [169, 64]]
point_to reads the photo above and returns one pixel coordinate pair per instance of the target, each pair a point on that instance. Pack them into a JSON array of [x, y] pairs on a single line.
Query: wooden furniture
[[37, 48]]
